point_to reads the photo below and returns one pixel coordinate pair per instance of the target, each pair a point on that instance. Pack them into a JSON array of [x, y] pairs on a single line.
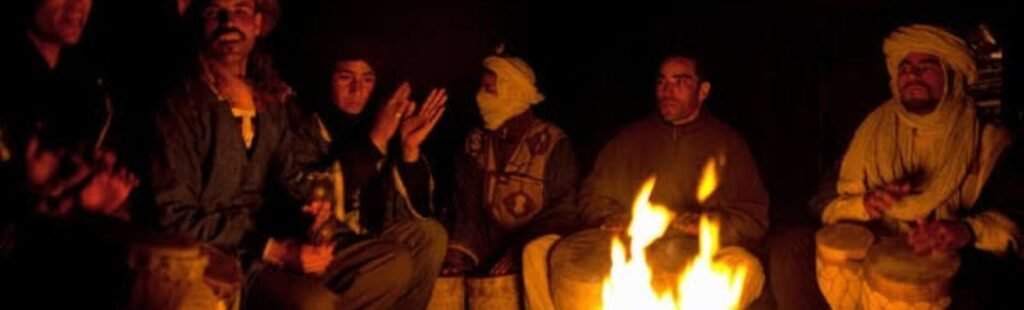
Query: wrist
[[379, 140], [410, 154]]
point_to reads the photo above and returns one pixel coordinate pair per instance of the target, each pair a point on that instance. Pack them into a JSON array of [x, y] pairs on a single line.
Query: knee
[[315, 299], [398, 271], [754, 281], [539, 248], [435, 236]]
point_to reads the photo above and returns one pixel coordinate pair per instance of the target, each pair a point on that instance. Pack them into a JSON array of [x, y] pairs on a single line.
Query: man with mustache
[[230, 133], [923, 165], [674, 145]]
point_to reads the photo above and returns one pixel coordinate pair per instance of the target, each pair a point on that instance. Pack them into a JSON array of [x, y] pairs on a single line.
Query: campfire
[[704, 284]]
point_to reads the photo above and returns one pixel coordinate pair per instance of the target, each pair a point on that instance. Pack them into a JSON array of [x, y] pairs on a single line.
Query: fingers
[[410, 109], [315, 259], [887, 200], [400, 95], [436, 117], [436, 100], [450, 271], [501, 268], [32, 149]]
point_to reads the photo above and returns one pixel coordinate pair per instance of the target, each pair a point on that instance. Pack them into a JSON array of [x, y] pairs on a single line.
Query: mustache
[[921, 84], [220, 32]]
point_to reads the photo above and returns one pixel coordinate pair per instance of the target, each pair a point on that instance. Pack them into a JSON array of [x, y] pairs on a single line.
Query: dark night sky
[[795, 77]]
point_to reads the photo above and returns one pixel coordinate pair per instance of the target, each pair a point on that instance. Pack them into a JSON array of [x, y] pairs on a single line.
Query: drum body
[[449, 294], [497, 293], [897, 278], [175, 273], [840, 251]]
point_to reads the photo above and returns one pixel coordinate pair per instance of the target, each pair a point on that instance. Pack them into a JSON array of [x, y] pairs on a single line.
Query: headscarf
[[516, 91], [883, 148]]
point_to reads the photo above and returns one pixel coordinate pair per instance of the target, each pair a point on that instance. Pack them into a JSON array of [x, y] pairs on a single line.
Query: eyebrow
[[371, 72]]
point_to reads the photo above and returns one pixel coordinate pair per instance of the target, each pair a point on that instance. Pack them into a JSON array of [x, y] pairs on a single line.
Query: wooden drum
[[449, 294], [898, 278], [841, 249], [494, 293]]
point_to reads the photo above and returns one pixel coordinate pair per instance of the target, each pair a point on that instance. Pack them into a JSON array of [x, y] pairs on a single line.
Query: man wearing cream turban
[[515, 179], [923, 164]]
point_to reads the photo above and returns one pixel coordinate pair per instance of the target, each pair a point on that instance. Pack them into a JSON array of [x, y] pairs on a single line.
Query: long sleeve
[[602, 192], [414, 184], [185, 140], [469, 233], [1000, 214], [559, 214], [742, 198]]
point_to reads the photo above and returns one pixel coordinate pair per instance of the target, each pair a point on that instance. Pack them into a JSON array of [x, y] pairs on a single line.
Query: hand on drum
[[311, 259], [939, 236], [616, 223], [688, 223], [321, 211], [506, 265], [884, 197], [456, 263]]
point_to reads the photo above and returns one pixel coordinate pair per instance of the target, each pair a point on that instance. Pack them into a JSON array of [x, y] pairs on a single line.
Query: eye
[[343, 78], [243, 12], [211, 13]]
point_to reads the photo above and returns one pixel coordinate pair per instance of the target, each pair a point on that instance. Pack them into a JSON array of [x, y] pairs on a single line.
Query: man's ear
[[704, 91], [258, 22]]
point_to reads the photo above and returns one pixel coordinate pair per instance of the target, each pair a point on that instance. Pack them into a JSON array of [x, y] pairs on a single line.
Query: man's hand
[[321, 210], [456, 263], [616, 223], [416, 128], [688, 223], [884, 197], [507, 264], [41, 165], [944, 236], [107, 190], [291, 254], [389, 116]]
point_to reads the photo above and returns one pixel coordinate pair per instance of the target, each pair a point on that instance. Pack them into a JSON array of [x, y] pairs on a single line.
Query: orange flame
[[704, 284]]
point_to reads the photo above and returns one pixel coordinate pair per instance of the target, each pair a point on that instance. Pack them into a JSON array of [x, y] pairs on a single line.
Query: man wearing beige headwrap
[[923, 164], [515, 178], [924, 155]]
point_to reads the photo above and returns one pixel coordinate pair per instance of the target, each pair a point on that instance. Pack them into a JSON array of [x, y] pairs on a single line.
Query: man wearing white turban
[[923, 165], [515, 179], [924, 154]]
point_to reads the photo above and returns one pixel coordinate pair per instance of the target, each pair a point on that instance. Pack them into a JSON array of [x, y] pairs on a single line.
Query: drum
[[897, 278], [449, 294], [494, 293], [172, 272], [841, 248], [224, 276], [579, 263]]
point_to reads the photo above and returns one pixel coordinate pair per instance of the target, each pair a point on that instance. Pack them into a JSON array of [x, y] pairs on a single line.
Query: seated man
[[227, 135], [514, 181], [674, 146], [924, 166], [64, 190], [388, 192]]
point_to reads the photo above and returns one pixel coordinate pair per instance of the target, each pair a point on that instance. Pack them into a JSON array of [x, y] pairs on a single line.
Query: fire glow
[[703, 284]]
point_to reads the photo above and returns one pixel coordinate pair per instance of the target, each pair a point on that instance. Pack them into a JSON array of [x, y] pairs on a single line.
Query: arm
[[178, 179], [742, 199], [559, 215], [603, 193]]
